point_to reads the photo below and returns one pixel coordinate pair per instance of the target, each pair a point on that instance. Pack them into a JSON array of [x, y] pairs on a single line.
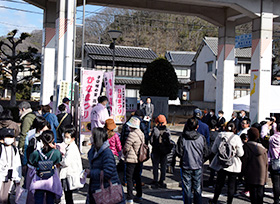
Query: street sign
[[243, 41]]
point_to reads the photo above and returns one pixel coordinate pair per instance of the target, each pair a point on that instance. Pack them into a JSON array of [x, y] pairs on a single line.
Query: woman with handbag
[[71, 165], [274, 163], [46, 182], [133, 166], [105, 186]]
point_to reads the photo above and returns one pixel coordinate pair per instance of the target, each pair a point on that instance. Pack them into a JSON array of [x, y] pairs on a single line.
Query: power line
[[16, 9], [4, 23]]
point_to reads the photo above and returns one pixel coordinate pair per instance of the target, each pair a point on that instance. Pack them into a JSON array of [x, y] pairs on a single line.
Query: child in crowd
[[49, 188], [10, 164], [113, 138], [71, 165]]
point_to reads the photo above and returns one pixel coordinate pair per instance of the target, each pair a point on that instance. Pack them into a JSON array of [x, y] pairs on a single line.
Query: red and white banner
[[120, 110], [91, 86], [109, 84]]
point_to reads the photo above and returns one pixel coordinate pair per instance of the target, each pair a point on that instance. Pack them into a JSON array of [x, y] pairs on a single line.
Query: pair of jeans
[[275, 177], [133, 172], [40, 195], [157, 159], [191, 180], [221, 179], [256, 193]]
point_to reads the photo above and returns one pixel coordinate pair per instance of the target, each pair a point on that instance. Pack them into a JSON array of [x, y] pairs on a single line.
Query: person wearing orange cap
[[160, 141], [113, 138]]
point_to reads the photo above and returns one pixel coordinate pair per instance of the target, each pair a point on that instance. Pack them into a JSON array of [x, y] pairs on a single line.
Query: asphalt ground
[[173, 192]]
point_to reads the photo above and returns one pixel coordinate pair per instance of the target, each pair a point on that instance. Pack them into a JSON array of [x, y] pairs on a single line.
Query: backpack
[[226, 152], [144, 152], [165, 145], [45, 168]]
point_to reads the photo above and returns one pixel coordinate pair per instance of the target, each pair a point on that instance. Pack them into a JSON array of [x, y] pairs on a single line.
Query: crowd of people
[[40, 160]]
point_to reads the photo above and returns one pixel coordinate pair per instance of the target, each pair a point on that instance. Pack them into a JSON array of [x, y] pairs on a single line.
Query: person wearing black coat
[[64, 119], [220, 120]]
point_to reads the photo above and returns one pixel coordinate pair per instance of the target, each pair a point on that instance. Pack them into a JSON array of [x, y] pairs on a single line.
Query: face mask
[[67, 140], [240, 114], [9, 141], [220, 115], [211, 113]]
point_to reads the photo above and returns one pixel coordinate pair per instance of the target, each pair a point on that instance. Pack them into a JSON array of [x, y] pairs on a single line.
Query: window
[[209, 66]]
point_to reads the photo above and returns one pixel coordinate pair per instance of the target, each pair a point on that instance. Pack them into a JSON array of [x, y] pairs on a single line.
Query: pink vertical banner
[[120, 108], [91, 86], [109, 85]]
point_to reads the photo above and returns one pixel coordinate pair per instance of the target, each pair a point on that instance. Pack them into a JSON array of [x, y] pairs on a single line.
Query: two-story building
[[182, 62], [203, 75]]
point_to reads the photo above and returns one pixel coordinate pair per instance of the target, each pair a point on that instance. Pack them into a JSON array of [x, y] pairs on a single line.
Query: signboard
[[91, 86], [109, 84], [131, 104], [243, 41], [120, 110], [64, 91]]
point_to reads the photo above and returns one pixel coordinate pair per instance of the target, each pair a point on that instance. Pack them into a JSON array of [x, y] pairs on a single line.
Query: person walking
[[101, 158], [113, 138], [50, 188], [231, 171], [64, 119], [133, 166], [99, 113], [191, 149], [160, 141], [274, 153], [255, 166], [52, 119], [71, 165], [10, 164], [27, 118]]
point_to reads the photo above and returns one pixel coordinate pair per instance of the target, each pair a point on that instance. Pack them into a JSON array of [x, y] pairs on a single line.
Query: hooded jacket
[[191, 148], [254, 163], [103, 159]]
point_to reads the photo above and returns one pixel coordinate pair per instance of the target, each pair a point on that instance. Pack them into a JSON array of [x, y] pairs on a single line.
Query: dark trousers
[[69, 197], [191, 180], [162, 160], [256, 193], [133, 172], [221, 179], [275, 177], [40, 195]]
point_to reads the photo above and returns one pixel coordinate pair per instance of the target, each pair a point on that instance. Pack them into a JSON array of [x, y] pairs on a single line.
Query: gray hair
[[24, 104]]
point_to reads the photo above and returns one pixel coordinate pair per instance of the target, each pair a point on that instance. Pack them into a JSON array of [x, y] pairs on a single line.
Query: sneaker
[[246, 193], [129, 202], [138, 199]]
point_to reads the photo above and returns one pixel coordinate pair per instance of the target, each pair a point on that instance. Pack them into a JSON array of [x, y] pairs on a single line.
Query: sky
[[26, 21]]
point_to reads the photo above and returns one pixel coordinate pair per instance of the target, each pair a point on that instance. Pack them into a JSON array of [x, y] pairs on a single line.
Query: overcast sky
[[26, 21]]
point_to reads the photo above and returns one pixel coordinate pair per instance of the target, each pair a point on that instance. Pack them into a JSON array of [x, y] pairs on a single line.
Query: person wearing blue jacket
[[203, 128], [100, 158], [51, 118]]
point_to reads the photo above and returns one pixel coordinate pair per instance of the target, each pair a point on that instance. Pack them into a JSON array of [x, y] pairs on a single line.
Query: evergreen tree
[[160, 79]]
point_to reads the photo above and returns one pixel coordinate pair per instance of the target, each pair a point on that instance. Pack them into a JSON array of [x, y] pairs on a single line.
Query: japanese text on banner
[[120, 108], [91, 86], [109, 84]]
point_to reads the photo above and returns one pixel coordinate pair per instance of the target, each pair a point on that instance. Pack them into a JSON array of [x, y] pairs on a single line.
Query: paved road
[[173, 192]]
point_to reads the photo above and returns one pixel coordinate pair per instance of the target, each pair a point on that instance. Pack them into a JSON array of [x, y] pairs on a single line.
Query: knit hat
[[253, 134], [134, 122], [110, 124], [161, 120]]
